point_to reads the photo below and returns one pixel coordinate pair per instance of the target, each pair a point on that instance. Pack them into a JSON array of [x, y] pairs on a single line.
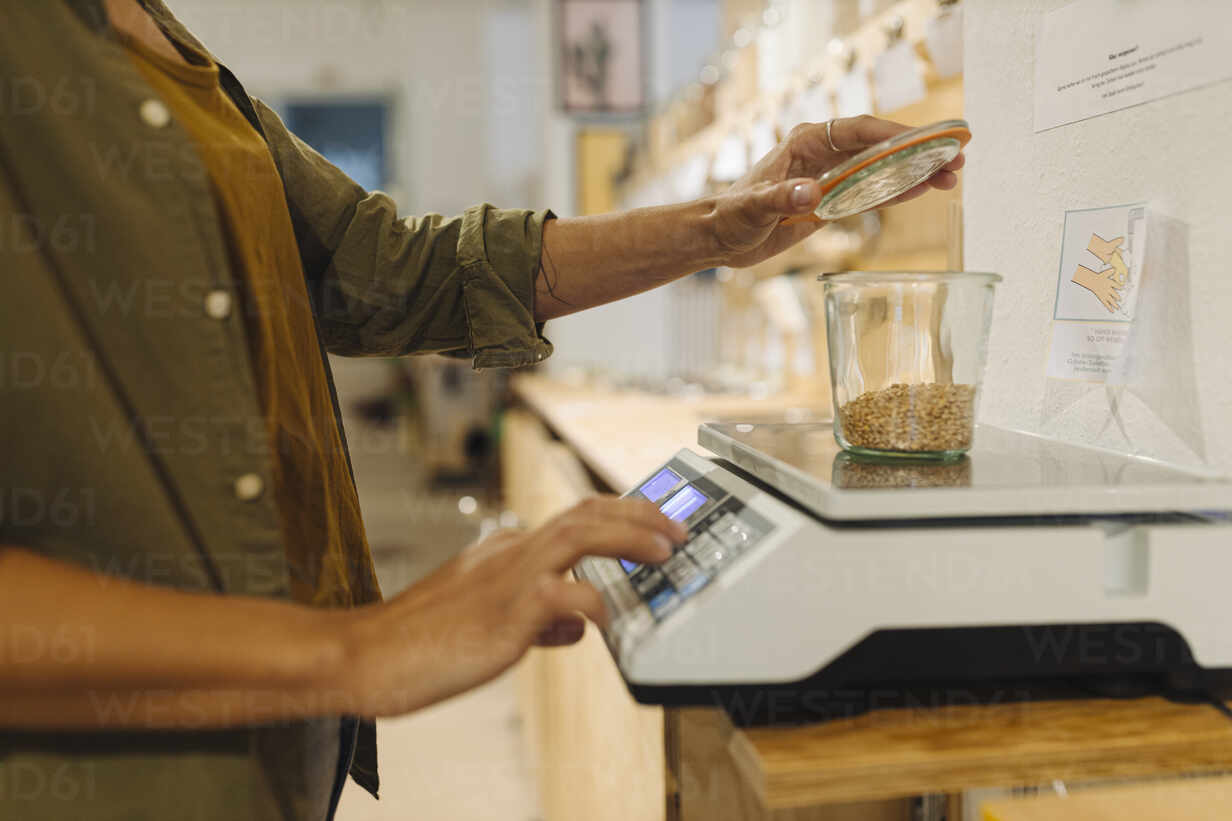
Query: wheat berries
[[911, 418], [895, 473]]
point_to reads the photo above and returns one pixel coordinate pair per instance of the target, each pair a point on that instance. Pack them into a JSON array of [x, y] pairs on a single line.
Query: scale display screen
[[656, 488], [681, 506]]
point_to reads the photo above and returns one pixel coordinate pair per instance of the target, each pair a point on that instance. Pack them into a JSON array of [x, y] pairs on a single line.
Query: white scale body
[[792, 565]]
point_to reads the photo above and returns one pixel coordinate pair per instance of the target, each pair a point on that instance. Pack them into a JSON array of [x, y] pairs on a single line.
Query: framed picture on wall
[[352, 133], [602, 65], [600, 154]]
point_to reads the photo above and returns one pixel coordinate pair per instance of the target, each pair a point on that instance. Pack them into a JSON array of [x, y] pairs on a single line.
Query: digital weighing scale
[[815, 585]]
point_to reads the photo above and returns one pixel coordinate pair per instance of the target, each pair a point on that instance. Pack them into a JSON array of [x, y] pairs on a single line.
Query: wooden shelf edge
[[789, 791]]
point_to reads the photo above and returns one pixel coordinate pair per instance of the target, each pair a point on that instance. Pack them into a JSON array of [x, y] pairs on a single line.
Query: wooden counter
[[622, 435], [716, 771]]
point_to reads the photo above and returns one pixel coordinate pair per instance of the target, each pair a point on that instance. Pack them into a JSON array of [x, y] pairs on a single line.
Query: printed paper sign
[[1093, 57], [1097, 293]]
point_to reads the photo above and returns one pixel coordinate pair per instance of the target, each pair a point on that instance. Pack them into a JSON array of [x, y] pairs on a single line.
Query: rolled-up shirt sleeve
[[386, 286], [498, 253]]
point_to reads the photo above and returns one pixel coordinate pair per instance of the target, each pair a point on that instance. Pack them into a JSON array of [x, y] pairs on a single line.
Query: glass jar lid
[[892, 167]]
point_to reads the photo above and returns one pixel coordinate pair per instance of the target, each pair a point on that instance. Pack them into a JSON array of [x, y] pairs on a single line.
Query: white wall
[[464, 75], [1173, 154]]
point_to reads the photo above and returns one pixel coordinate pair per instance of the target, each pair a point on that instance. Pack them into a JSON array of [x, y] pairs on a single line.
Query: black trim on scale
[[936, 667]]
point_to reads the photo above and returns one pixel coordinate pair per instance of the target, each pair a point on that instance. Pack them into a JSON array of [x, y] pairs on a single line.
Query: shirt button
[[155, 114], [249, 487], [218, 304]]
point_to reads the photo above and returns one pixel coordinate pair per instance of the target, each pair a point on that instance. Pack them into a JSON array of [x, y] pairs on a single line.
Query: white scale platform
[[1007, 475]]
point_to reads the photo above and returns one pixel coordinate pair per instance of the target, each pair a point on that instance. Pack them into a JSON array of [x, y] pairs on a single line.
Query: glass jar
[[907, 352]]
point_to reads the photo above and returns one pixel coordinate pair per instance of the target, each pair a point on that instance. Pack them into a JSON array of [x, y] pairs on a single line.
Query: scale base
[[985, 666]]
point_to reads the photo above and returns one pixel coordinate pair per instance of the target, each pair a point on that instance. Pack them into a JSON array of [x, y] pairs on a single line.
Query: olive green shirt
[[130, 422]]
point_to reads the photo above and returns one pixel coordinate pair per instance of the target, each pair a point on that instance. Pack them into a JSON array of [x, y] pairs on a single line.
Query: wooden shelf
[[909, 752]]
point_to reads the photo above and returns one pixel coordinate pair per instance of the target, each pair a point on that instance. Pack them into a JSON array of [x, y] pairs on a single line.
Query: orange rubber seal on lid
[[963, 135]]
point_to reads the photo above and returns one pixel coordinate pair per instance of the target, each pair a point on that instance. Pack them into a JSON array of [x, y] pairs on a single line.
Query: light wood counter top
[[887, 753], [623, 435]]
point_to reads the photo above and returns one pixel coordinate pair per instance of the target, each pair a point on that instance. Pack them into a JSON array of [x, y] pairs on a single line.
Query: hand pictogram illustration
[[1108, 283], [1103, 249], [1101, 283]]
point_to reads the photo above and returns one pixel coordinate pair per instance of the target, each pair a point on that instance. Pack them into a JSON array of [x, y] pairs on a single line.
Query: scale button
[[680, 570], [715, 555], [663, 602], [695, 583], [731, 533], [683, 573], [647, 580], [706, 551]]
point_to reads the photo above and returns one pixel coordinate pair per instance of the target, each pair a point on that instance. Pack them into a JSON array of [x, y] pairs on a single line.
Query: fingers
[[786, 234], [858, 133], [562, 599], [955, 164], [481, 551], [632, 511], [646, 514], [564, 631], [943, 180], [767, 203], [616, 528], [910, 194], [849, 134], [810, 145], [611, 538], [1114, 298]]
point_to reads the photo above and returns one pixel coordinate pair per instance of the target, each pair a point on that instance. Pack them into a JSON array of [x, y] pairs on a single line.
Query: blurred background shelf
[[775, 64]]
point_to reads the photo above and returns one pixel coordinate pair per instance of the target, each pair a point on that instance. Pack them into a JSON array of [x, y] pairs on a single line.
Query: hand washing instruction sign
[[1102, 250], [1093, 57]]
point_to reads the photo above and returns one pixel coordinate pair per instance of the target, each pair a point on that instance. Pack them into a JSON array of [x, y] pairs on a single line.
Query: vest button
[[155, 114], [218, 304], [249, 487]]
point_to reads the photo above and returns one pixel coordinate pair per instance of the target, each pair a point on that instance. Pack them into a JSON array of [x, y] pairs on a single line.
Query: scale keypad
[[715, 540], [721, 529]]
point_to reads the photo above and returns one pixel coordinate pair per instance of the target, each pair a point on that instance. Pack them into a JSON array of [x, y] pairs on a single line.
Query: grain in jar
[[921, 418]]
